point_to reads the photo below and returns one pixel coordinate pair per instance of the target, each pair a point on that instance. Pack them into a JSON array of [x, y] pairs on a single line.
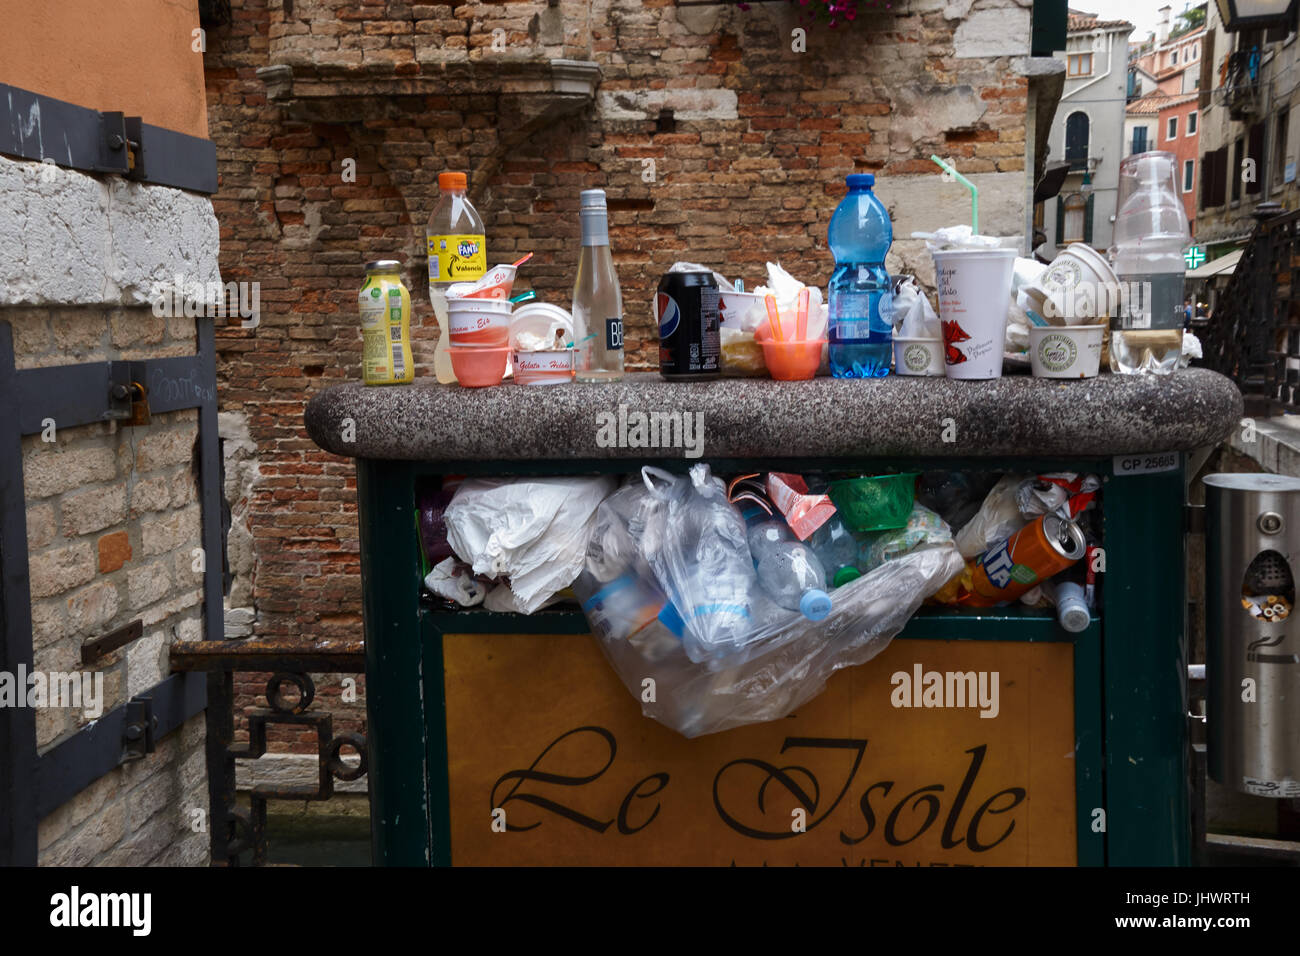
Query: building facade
[[1164, 104], [1088, 132], [1248, 142]]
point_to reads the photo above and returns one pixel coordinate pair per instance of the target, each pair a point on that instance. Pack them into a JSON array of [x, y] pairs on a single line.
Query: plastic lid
[[844, 575], [451, 180], [815, 604], [1074, 616], [860, 180], [593, 199]]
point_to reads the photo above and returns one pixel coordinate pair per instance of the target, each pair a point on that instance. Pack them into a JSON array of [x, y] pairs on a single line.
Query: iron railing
[[1254, 335], [236, 831]]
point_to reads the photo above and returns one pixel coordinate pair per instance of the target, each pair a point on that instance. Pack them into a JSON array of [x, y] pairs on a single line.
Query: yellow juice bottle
[[385, 306]]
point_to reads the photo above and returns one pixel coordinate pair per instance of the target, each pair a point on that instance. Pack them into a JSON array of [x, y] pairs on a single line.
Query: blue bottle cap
[[860, 181], [815, 604]]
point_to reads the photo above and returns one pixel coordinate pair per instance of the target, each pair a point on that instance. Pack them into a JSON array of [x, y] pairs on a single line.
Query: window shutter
[[1087, 221], [1060, 221], [1207, 70], [1256, 152], [1221, 176]]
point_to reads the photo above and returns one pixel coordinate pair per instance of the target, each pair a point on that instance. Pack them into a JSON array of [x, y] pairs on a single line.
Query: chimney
[[1164, 25]]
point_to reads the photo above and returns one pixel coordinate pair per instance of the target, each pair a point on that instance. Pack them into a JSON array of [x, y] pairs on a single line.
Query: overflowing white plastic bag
[[531, 531]]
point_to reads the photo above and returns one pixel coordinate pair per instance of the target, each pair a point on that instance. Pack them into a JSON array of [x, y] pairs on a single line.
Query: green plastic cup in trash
[[877, 503]]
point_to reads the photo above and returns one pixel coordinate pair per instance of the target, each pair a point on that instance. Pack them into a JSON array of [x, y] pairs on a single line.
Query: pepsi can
[[686, 310]]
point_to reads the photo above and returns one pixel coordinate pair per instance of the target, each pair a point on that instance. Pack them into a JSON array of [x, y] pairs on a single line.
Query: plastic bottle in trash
[[457, 250], [837, 549], [1150, 235], [861, 296], [1071, 608], [793, 577]]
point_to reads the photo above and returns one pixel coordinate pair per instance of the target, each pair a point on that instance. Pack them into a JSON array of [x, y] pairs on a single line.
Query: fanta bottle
[[457, 253]]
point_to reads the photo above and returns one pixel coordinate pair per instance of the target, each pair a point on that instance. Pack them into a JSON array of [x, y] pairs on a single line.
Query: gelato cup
[[479, 322]]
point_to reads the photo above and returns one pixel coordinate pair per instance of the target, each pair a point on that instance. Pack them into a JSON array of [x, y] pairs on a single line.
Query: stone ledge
[[1276, 445], [1015, 416]]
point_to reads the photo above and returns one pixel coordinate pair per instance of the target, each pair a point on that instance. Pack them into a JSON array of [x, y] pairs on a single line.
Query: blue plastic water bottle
[[861, 298]]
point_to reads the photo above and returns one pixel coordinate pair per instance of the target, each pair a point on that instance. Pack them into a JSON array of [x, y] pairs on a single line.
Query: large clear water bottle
[[837, 549], [861, 298], [1151, 234], [793, 577]]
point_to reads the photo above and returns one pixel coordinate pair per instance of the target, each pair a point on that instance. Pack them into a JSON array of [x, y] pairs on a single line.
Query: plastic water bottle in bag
[[794, 578]]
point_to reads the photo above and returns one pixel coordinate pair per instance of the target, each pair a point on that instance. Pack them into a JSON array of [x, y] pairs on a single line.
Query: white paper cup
[[918, 356], [974, 289], [480, 322], [734, 308], [549, 367], [1078, 288], [1072, 351]]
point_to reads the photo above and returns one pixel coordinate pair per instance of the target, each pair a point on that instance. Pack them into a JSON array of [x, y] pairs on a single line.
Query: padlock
[[139, 405]]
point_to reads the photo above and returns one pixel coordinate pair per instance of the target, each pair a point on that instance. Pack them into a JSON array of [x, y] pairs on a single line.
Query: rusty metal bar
[[270, 654]]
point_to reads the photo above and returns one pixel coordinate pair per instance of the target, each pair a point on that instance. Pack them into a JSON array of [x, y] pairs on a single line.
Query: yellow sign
[[935, 753]]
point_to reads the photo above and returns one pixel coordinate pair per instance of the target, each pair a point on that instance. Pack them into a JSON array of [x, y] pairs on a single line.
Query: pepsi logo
[[667, 314]]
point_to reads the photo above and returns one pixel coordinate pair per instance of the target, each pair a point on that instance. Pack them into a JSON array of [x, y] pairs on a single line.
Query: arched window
[[1076, 140]]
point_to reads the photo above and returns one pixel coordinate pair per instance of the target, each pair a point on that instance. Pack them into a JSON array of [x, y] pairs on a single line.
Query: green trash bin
[[500, 738]]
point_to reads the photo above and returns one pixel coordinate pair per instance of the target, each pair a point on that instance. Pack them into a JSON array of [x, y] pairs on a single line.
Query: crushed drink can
[[1044, 547], [690, 329]]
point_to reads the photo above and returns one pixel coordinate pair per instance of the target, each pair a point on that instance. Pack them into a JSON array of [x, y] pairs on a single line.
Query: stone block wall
[[112, 511]]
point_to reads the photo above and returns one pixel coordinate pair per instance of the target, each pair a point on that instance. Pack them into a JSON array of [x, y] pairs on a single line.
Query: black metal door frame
[[32, 785]]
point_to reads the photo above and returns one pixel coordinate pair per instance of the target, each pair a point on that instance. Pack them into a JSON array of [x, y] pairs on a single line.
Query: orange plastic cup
[[790, 361], [478, 366], [793, 361]]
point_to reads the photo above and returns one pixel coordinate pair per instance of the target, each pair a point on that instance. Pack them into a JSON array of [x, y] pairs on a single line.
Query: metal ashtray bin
[[1253, 633]]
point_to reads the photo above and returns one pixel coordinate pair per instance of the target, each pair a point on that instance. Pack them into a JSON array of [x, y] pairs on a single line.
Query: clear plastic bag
[[695, 543], [789, 668], [656, 553]]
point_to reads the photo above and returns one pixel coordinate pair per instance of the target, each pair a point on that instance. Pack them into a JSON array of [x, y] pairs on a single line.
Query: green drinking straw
[[974, 192]]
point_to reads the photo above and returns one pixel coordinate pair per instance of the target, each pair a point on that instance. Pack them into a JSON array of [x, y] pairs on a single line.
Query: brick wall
[[112, 521], [715, 140]]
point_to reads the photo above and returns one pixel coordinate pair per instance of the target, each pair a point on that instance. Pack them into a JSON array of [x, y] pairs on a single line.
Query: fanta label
[[457, 258], [997, 565]]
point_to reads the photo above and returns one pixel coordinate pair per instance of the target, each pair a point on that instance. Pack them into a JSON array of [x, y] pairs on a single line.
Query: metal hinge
[[137, 734]]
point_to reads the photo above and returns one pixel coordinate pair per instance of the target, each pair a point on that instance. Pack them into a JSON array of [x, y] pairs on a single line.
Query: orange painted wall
[[1185, 148], [129, 55]]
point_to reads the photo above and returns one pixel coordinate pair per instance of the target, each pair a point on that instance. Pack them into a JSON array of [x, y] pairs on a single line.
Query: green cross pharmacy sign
[[1194, 256]]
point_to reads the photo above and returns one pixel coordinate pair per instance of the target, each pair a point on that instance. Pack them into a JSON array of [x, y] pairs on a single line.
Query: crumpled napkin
[[956, 237], [914, 317]]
